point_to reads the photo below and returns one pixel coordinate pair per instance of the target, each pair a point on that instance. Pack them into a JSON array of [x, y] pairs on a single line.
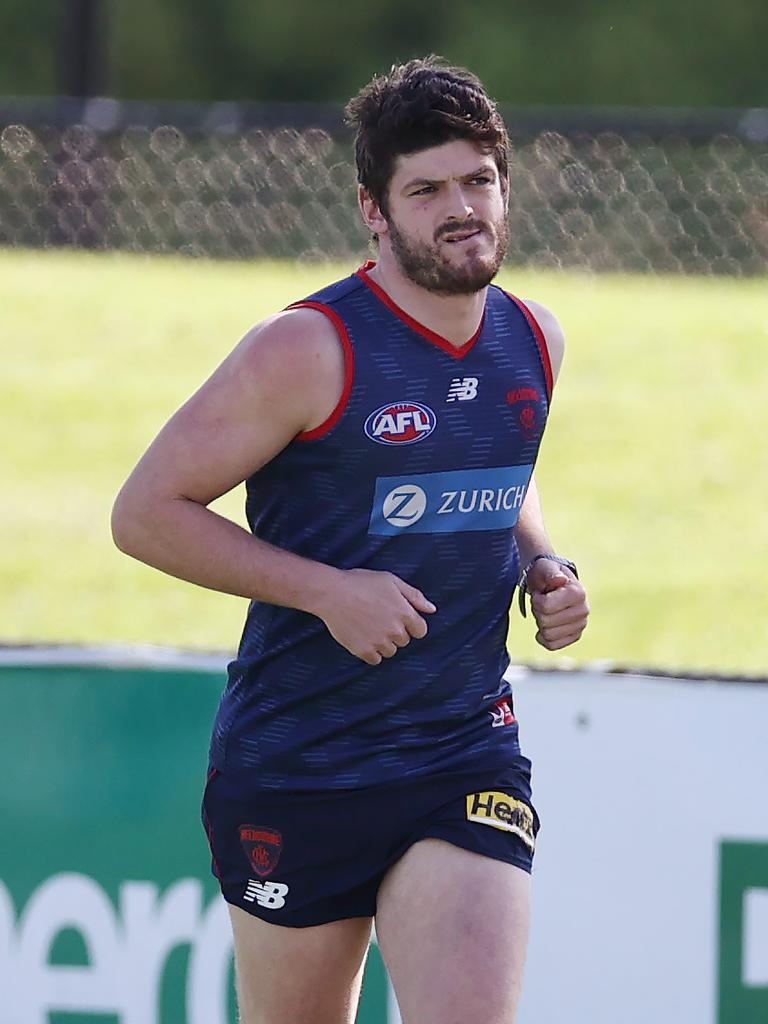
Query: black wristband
[[522, 584]]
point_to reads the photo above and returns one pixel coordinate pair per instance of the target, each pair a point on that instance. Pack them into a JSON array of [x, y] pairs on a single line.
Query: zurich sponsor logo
[[404, 505], [400, 423], [452, 502]]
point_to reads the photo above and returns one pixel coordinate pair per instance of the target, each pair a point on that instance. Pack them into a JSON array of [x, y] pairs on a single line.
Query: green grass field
[[653, 472]]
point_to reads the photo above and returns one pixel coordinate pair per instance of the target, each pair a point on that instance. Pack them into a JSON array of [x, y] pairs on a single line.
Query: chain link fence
[[598, 197]]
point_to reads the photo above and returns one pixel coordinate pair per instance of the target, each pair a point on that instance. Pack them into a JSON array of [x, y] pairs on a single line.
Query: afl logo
[[400, 423]]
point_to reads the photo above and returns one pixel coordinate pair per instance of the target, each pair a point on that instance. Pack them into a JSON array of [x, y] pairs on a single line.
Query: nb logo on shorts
[[501, 810], [270, 895]]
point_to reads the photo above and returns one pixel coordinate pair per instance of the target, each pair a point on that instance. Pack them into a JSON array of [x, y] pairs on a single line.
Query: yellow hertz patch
[[500, 810]]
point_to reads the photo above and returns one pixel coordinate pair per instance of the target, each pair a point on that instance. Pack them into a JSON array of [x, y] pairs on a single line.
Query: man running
[[365, 761]]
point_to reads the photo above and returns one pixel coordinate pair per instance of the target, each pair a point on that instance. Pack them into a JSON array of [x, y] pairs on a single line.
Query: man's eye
[[423, 190], [482, 179]]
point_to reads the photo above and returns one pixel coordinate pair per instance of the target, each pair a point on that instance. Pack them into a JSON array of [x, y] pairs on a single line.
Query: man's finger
[[555, 601], [554, 582], [401, 638], [552, 634], [556, 645], [416, 626], [415, 597], [568, 616]]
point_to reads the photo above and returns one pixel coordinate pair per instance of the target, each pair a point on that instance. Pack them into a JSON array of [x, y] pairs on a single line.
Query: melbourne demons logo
[[400, 423], [262, 847], [528, 417]]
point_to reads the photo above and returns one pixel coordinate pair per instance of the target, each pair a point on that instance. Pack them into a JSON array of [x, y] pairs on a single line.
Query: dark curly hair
[[423, 103]]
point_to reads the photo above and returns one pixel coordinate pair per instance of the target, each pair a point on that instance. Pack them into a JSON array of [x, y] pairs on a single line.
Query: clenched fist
[[559, 604], [373, 614]]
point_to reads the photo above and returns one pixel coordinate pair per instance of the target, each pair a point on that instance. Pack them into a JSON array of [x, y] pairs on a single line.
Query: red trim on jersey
[[349, 371], [541, 341], [425, 332]]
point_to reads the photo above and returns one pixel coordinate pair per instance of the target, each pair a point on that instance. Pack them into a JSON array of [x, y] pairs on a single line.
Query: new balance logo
[[267, 894], [462, 389]]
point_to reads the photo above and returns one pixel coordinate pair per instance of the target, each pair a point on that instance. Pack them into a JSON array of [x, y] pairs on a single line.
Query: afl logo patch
[[400, 423]]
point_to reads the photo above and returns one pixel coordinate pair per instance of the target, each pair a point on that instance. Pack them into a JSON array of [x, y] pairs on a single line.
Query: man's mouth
[[462, 236]]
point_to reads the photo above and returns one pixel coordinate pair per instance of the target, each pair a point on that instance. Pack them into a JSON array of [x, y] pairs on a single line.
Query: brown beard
[[425, 265]]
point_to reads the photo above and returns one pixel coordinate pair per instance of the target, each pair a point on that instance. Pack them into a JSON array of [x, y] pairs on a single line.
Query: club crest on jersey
[[262, 847], [527, 416], [528, 420], [400, 423]]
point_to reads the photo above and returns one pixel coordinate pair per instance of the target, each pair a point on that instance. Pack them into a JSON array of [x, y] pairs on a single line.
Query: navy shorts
[[300, 859]]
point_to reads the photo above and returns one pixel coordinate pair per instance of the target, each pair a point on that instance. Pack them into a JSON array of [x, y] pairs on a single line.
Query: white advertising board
[[651, 876]]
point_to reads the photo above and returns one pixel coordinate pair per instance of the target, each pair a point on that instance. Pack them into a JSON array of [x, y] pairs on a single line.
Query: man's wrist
[[318, 587]]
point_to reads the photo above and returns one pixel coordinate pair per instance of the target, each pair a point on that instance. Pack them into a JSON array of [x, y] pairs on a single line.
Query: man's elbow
[[125, 523]]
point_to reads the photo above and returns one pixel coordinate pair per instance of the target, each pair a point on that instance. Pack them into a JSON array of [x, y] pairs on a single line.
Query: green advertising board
[[108, 911], [743, 980]]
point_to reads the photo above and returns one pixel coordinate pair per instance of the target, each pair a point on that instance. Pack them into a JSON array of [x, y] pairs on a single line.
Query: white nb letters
[[462, 389], [267, 894]]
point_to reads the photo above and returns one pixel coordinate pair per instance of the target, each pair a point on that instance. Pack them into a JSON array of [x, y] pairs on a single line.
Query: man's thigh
[[288, 975], [452, 926]]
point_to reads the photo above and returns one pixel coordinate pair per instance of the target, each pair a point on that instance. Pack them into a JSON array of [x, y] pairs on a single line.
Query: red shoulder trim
[[425, 332], [541, 341], [349, 370]]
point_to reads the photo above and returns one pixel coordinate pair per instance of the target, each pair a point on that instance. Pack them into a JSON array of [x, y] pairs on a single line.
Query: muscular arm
[[286, 376], [558, 599], [530, 532], [281, 379]]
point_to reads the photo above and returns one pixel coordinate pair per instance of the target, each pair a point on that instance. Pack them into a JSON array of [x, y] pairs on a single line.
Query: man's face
[[447, 220]]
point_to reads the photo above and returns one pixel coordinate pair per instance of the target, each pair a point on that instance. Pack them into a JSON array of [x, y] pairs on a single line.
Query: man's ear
[[374, 219]]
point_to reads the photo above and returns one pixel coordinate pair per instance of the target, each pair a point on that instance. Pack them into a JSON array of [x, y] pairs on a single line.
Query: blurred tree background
[[696, 54]]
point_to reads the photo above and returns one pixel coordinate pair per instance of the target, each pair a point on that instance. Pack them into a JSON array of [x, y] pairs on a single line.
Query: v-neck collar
[[425, 332]]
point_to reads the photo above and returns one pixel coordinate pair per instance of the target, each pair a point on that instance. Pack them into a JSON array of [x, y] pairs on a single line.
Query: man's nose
[[458, 204]]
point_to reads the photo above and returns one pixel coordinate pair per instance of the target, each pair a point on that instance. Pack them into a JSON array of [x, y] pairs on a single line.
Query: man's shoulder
[[553, 333], [333, 293], [305, 334], [292, 339], [547, 323]]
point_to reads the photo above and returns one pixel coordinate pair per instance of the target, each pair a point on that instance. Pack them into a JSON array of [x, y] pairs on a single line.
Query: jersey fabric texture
[[421, 471], [302, 859]]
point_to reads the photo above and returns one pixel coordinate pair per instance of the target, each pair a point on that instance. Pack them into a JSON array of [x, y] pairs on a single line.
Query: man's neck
[[454, 317]]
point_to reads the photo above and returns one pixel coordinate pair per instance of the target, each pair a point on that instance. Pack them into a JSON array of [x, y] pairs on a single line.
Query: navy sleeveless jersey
[[421, 471]]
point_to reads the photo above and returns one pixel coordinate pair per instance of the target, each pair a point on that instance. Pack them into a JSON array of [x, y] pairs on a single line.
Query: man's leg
[[452, 928], [290, 975]]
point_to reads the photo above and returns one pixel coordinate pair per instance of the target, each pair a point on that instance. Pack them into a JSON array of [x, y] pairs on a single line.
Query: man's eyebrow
[[483, 169], [423, 181]]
